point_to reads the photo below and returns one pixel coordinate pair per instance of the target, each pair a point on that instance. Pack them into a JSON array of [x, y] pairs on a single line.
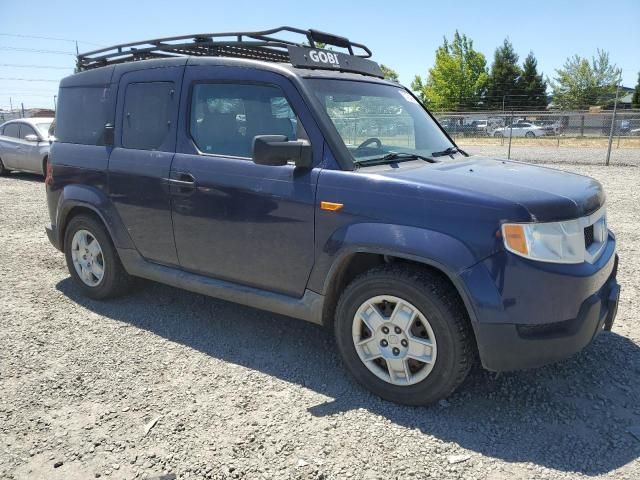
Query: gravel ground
[[562, 154], [165, 381]]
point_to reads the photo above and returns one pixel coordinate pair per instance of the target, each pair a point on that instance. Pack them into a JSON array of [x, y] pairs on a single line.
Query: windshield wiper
[[393, 157], [449, 151]]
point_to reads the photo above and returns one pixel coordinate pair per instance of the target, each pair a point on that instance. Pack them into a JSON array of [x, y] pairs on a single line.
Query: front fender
[[436, 249], [94, 199]]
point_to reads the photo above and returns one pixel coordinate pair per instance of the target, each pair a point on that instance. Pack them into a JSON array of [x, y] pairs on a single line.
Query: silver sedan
[[24, 145]]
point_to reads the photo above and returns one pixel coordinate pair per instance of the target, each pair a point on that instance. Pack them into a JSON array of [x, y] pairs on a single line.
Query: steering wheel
[[369, 141]]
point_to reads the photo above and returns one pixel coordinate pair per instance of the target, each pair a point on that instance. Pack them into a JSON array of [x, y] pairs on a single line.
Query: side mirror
[[109, 136], [32, 138], [276, 150]]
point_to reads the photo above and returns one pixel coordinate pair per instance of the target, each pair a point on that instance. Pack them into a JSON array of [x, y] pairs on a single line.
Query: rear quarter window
[[147, 115], [82, 114]]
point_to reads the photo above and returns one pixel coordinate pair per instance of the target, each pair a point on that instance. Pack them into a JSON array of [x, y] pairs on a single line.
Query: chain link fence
[[598, 136]]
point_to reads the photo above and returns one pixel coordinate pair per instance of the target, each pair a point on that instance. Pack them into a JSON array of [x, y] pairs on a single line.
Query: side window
[[226, 117], [147, 112], [26, 130], [82, 114], [12, 130]]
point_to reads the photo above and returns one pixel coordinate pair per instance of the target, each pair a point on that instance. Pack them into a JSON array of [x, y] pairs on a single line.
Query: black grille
[[588, 236]]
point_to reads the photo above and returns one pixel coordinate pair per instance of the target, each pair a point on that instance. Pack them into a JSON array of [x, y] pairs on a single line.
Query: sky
[[402, 34]]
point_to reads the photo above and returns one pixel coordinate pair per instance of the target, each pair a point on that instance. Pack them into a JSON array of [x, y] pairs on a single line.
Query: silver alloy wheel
[[394, 340], [87, 257]]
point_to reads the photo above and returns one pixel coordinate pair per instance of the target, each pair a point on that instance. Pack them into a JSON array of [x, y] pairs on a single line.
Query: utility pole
[[10, 105], [55, 103], [22, 105], [613, 122]]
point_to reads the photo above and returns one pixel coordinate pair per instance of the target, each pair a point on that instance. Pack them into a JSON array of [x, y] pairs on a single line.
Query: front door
[[144, 146], [235, 220]]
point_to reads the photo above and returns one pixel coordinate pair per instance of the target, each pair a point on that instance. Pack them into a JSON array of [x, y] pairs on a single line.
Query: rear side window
[[226, 117], [82, 114], [12, 130], [147, 115]]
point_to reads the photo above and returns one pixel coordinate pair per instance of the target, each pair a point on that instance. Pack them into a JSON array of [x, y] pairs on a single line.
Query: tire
[[3, 169], [44, 166], [530, 135], [114, 280], [498, 134], [450, 335]]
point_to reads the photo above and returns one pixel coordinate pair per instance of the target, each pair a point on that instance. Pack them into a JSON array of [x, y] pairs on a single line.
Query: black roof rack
[[253, 45]]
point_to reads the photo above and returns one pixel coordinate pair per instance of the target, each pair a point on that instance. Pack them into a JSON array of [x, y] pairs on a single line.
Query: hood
[[546, 194]]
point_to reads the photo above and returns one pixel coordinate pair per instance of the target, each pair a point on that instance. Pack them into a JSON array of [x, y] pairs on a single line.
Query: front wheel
[[530, 135], [404, 334], [3, 169]]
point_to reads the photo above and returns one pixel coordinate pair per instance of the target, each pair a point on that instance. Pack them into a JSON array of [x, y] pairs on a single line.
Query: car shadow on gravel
[[573, 416], [25, 177]]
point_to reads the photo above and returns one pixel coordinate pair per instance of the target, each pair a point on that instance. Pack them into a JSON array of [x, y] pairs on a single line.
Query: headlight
[[570, 241]]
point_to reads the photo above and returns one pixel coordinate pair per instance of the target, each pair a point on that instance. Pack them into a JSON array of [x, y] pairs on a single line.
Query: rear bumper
[[505, 347], [52, 233]]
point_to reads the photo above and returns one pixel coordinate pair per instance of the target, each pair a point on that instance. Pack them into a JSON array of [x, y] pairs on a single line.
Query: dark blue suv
[[297, 180]]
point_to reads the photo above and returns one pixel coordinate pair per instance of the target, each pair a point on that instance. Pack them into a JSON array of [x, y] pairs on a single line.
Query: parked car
[[635, 132], [481, 127], [419, 257], [521, 129], [24, 145]]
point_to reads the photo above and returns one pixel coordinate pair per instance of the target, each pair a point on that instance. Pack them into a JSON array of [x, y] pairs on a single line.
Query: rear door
[[9, 145], [235, 220], [144, 146]]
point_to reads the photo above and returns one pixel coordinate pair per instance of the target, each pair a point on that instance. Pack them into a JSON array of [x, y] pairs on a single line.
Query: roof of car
[[31, 120], [104, 75]]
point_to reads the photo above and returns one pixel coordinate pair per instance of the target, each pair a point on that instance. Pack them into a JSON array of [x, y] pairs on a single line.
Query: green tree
[[458, 78], [503, 83], [635, 99], [532, 85], [389, 73], [581, 84]]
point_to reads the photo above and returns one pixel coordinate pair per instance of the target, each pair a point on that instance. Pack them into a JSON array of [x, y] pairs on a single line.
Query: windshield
[[376, 120], [44, 127]]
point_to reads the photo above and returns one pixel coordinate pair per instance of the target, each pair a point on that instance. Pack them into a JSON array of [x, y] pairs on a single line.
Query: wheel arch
[[77, 199], [354, 263]]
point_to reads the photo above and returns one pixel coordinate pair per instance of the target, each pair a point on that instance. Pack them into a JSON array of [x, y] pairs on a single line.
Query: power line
[[48, 67], [29, 79], [17, 35], [35, 50]]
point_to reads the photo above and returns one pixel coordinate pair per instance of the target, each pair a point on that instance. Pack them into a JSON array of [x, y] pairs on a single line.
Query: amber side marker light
[[515, 239], [331, 206]]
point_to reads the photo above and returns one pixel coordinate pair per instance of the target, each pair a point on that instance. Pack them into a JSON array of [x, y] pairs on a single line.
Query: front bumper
[[527, 314], [505, 347]]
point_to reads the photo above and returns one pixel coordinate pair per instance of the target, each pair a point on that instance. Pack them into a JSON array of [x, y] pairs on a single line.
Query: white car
[[521, 129], [24, 145]]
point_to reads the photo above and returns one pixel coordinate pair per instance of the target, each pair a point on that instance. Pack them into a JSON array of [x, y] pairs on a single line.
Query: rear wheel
[[92, 259], [498, 134], [403, 333], [44, 166], [530, 135]]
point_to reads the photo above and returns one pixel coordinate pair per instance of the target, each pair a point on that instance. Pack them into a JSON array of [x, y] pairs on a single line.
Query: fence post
[[582, 125], [613, 122], [510, 134]]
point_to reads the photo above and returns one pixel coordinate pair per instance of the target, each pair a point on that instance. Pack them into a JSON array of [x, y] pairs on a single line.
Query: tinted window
[[225, 118], [147, 115], [82, 114], [12, 130], [26, 130]]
